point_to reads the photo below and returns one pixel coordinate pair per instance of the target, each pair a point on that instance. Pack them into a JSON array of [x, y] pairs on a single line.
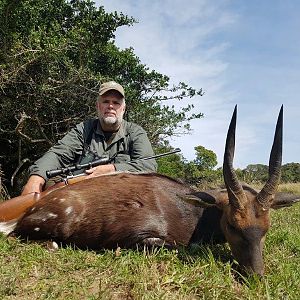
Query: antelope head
[[246, 219]]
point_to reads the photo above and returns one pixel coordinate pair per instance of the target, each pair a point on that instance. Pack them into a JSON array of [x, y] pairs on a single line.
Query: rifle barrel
[[162, 154]]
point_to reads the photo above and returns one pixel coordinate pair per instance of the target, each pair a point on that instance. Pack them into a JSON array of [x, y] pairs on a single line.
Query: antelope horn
[[265, 196], [237, 197]]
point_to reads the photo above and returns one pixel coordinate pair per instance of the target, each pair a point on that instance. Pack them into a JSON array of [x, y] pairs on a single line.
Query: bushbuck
[[125, 210]]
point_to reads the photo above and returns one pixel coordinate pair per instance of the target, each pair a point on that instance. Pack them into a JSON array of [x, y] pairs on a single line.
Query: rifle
[[16, 207]]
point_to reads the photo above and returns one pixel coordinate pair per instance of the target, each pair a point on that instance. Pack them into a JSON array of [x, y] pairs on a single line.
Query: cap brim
[[102, 92]]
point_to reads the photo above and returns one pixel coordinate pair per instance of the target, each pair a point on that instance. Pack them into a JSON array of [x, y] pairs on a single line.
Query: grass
[[30, 271], [290, 187]]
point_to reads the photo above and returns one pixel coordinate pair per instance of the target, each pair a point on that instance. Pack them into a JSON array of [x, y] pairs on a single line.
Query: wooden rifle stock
[[16, 207]]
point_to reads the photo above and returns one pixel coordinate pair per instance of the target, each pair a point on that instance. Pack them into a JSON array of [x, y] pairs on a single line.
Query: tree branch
[[20, 127]]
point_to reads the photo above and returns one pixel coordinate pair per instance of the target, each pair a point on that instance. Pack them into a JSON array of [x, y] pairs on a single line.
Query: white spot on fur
[[7, 227], [69, 210], [37, 229], [154, 241], [33, 209], [44, 219], [52, 215], [52, 246], [62, 200], [55, 245]]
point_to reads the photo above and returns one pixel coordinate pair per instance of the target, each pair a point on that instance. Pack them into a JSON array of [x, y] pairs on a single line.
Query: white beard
[[110, 120]]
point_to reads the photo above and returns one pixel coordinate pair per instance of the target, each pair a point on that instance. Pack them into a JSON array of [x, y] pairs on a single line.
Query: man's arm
[[35, 184], [60, 155]]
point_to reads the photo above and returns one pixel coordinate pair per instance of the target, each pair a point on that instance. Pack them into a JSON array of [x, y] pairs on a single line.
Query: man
[[109, 135]]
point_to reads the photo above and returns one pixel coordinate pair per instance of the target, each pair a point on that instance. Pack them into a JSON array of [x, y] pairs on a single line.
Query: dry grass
[[290, 188]]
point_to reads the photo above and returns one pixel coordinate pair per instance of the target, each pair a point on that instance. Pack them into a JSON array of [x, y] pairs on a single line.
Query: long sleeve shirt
[[130, 143]]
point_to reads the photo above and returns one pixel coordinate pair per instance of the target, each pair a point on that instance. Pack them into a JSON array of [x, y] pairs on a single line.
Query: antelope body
[[127, 209]]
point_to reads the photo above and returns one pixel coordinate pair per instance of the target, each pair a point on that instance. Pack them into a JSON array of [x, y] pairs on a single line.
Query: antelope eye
[[237, 232]]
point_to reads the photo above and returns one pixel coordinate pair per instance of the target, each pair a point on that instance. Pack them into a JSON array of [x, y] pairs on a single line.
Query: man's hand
[[100, 170], [34, 185]]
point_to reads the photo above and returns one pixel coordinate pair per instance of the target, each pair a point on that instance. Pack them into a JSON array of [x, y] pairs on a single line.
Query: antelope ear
[[284, 199], [208, 198]]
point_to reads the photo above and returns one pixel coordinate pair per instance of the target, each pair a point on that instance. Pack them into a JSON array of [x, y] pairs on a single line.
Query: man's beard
[[112, 122]]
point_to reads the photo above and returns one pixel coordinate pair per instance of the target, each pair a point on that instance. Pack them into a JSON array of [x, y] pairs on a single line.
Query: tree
[[201, 170], [172, 165], [290, 172], [53, 56], [255, 173], [260, 173], [205, 159]]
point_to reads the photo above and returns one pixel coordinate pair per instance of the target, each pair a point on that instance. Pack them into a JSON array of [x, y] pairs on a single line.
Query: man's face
[[111, 108]]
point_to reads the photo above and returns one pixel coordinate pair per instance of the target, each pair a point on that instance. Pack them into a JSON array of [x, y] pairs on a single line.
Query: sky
[[239, 52]]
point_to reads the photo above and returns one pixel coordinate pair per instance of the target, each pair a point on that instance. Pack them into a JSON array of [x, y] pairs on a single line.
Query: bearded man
[[108, 135]]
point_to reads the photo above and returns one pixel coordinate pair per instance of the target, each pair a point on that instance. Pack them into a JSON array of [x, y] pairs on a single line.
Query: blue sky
[[240, 52]]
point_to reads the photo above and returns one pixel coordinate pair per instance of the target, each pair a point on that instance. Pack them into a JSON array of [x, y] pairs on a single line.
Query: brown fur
[[110, 211]]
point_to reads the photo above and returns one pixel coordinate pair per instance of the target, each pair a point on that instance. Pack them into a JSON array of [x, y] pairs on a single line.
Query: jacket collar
[[121, 133]]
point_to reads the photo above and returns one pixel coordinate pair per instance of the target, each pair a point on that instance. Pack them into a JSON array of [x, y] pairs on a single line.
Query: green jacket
[[130, 142]]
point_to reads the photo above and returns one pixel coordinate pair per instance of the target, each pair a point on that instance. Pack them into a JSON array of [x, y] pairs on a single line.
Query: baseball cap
[[111, 85]]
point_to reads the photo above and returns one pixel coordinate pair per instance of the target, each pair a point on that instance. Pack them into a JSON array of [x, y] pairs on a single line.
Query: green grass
[[30, 271]]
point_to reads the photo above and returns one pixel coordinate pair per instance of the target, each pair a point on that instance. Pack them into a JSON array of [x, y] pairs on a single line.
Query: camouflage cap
[[111, 85]]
